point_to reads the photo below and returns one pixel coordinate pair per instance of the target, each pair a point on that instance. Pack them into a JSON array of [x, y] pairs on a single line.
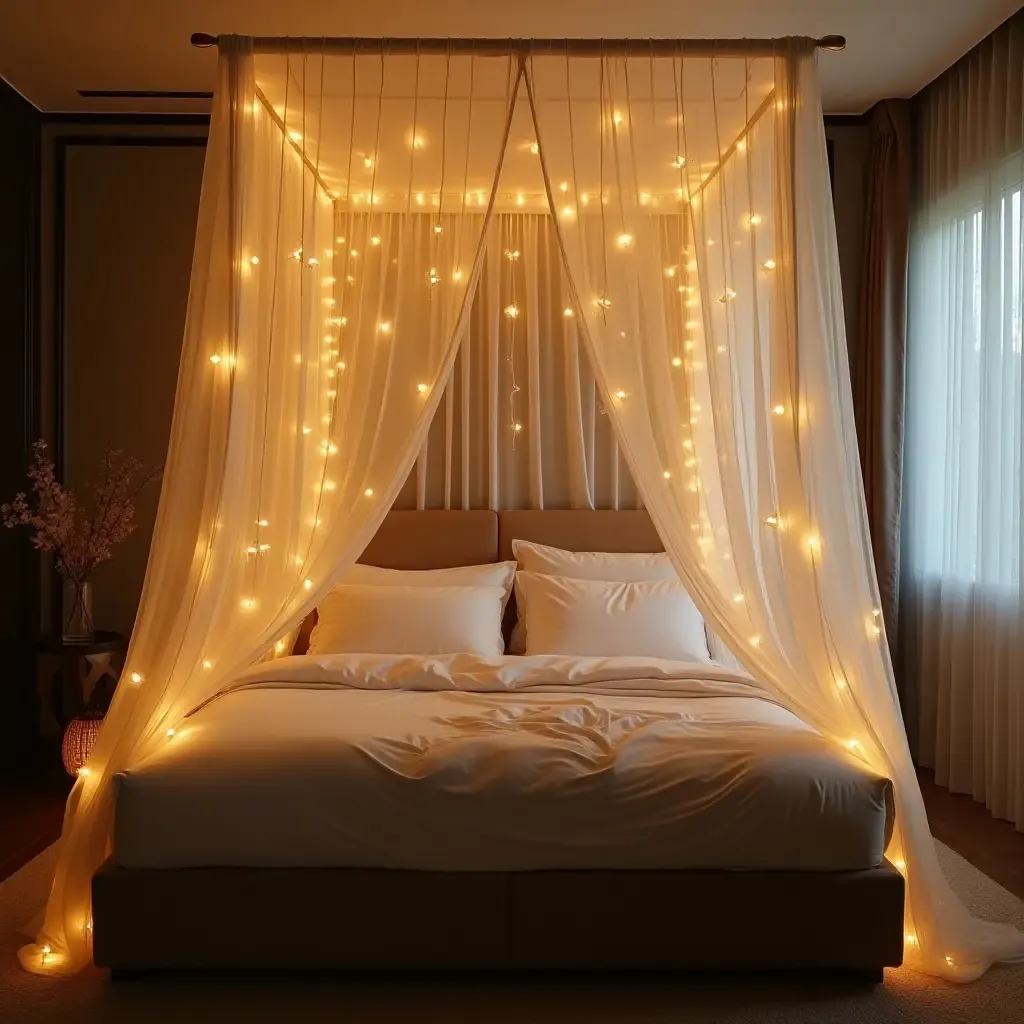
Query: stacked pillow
[[603, 604], [428, 612]]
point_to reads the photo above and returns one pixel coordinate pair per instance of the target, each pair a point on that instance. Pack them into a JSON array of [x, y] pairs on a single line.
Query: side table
[[83, 666]]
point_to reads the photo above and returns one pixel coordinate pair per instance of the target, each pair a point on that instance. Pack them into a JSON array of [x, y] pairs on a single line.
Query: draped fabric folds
[[688, 198], [878, 360]]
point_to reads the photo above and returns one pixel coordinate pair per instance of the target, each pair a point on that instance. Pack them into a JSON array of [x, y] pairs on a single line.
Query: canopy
[[346, 205]]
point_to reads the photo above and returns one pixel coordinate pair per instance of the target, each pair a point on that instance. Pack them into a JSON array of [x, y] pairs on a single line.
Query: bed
[[522, 813]]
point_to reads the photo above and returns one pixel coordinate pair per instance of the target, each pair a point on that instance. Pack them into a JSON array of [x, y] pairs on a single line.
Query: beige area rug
[[523, 999]]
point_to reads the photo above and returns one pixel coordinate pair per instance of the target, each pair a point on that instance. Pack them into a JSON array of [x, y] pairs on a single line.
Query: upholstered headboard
[[578, 530], [438, 539]]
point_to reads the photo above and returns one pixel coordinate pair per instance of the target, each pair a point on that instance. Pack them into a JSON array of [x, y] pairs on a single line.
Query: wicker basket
[[79, 737]]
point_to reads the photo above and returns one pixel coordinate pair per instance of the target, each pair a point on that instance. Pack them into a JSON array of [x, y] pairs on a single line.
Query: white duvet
[[510, 763]]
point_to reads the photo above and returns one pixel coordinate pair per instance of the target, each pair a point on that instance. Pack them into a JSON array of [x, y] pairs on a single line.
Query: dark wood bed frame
[[349, 918]]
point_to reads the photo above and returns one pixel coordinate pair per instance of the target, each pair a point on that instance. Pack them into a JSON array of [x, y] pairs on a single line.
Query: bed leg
[[868, 975]]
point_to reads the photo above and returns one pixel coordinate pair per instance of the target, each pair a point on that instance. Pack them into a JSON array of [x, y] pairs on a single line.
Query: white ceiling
[[51, 48]]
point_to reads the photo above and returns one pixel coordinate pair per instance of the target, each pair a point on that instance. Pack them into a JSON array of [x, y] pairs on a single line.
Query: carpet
[[513, 999]]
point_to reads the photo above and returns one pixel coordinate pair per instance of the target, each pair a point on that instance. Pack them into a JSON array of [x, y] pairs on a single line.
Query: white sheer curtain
[[320, 330], [739, 427], [521, 424], [963, 643]]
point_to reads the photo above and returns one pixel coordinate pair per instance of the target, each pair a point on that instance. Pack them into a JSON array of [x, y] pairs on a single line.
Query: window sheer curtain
[[962, 603], [319, 334], [733, 406]]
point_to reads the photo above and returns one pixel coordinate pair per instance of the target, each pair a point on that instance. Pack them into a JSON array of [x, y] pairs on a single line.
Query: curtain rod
[[502, 47]]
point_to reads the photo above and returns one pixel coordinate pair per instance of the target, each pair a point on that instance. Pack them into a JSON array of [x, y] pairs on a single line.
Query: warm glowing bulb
[[813, 541], [852, 744], [329, 485], [83, 770], [207, 664], [419, 198], [295, 136], [368, 493], [568, 312], [308, 584], [741, 145], [254, 260], [262, 522], [520, 199], [567, 211], [422, 388], [215, 358], [738, 598], [604, 303], [727, 296], [279, 646], [512, 311], [456, 274], [755, 641], [170, 733], [307, 430], [512, 255], [620, 395], [417, 141], [667, 475], [517, 427], [911, 939], [248, 603], [367, 161], [312, 262], [374, 239], [534, 148], [564, 186], [779, 410], [772, 521], [616, 118], [437, 229], [680, 161], [754, 219], [584, 198], [840, 683], [670, 271], [136, 678], [768, 266], [384, 327], [676, 361], [624, 240], [900, 864]]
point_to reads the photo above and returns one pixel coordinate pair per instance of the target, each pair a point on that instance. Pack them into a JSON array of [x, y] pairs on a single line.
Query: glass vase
[[77, 612]]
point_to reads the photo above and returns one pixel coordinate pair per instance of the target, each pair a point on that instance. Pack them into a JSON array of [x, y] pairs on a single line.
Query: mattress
[[505, 764]]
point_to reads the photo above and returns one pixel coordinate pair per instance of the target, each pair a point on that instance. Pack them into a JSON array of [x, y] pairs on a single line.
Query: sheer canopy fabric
[[724, 370], [689, 199], [321, 328]]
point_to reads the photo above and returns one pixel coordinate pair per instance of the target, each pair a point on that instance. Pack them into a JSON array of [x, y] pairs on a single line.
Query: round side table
[[83, 668]]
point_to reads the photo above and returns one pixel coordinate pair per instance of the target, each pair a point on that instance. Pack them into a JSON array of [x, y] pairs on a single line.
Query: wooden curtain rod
[[502, 47]]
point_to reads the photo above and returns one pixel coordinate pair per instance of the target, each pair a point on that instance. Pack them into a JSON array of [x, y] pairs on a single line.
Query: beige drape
[[878, 355]]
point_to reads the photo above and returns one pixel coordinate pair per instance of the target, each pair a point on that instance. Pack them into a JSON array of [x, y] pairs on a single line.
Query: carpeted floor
[[531, 999]]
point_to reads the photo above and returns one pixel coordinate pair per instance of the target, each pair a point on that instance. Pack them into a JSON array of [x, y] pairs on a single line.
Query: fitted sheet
[[503, 764]]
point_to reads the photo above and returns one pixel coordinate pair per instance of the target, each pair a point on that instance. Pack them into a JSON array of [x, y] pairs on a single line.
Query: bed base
[[359, 919]]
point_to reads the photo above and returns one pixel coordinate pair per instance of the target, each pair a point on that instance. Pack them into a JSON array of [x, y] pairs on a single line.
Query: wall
[[19, 565], [120, 208]]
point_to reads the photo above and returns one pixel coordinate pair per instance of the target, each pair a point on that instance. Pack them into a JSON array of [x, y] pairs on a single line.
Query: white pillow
[[493, 574], [356, 619], [619, 566], [596, 618]]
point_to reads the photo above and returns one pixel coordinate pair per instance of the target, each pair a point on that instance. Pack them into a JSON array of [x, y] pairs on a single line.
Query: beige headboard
[[579, 530], [438, 539]]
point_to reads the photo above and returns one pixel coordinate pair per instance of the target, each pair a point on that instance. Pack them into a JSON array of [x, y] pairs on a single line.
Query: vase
[[77, 612]]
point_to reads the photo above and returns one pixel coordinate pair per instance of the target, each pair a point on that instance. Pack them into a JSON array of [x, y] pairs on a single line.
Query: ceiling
[[49, 49]]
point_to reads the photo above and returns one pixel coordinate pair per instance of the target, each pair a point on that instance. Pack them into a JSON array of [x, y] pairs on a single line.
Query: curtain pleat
[[962, 609], [878, 354]]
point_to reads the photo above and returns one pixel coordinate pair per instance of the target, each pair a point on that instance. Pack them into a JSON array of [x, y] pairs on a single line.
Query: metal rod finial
[[203, 40], [832, 42]]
